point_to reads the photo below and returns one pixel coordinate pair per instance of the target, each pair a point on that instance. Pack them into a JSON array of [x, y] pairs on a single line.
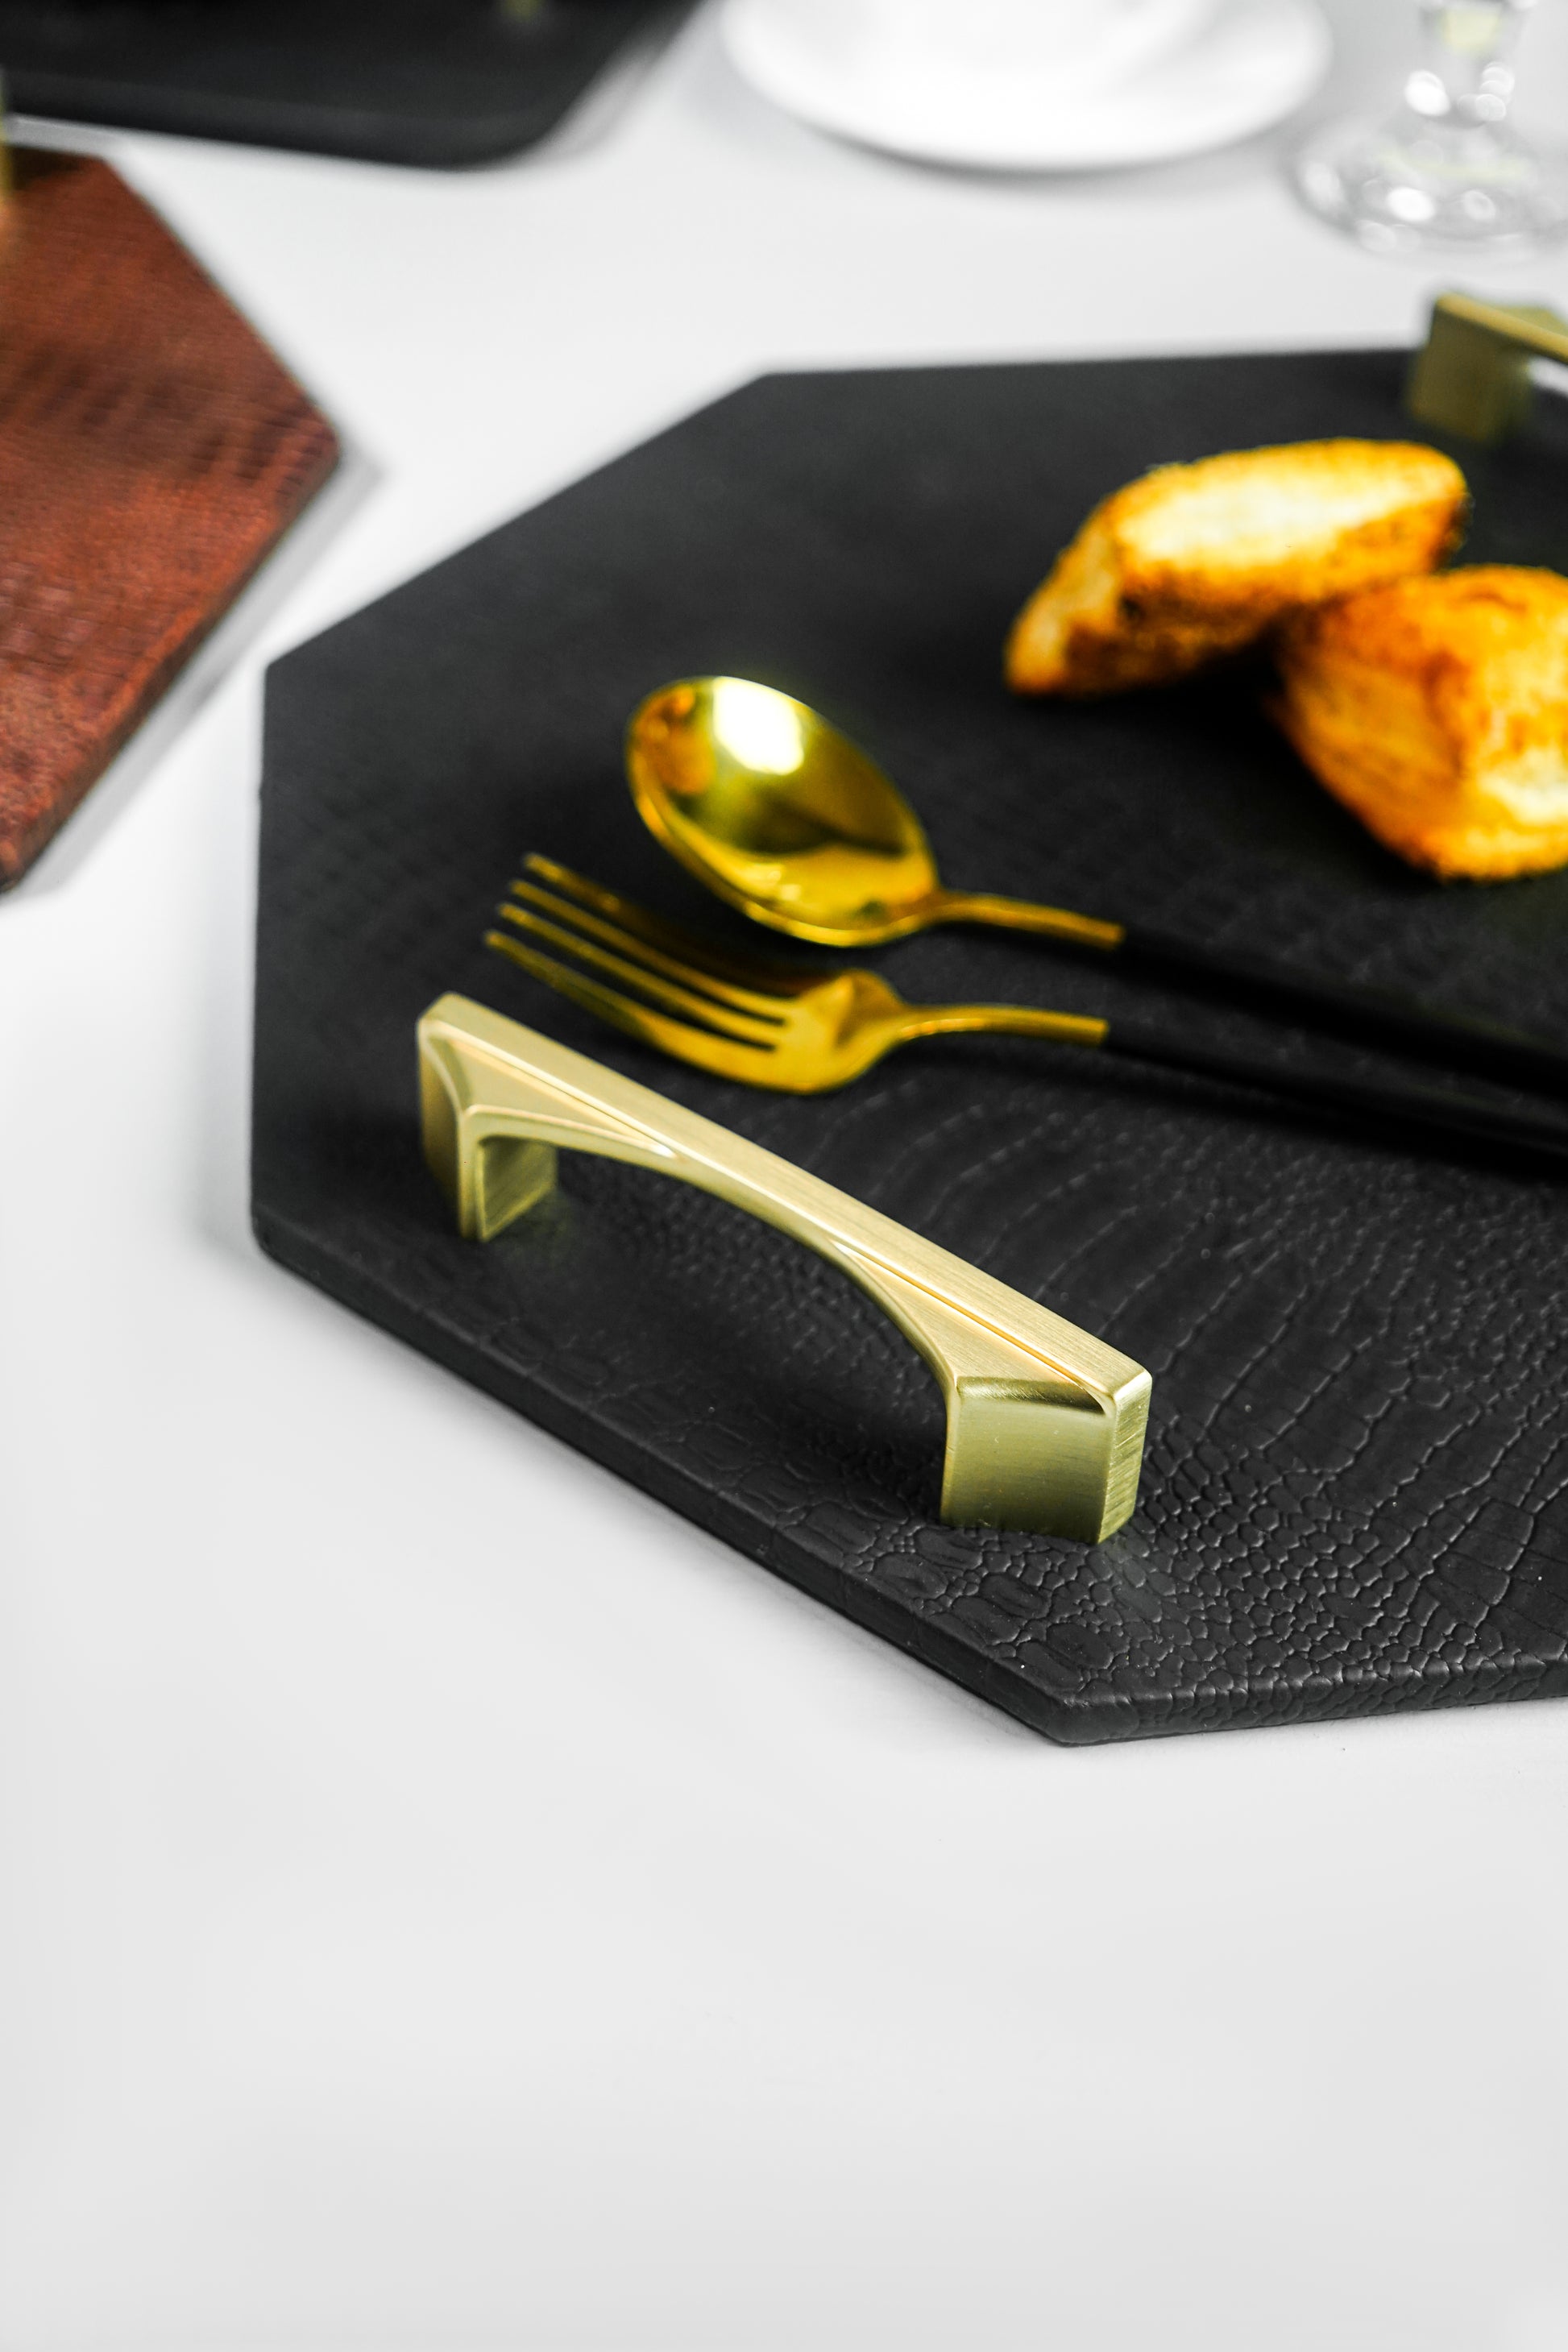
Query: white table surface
[[446, 1900]]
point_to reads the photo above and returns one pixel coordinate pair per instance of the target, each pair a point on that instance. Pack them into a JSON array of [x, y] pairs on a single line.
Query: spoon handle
[[1262, 984], [1022, 915]]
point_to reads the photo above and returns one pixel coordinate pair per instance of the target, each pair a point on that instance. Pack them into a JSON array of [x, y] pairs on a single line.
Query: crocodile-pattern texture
[[1355, 1497], [440, 83], [152, 452]]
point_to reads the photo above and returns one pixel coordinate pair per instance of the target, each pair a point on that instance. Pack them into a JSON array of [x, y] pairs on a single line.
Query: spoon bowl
[[777, 811]]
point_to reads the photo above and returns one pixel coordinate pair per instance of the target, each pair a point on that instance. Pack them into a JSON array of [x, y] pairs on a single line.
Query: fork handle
[[1364, 1014], [1424, 1109], [1419, 1109], [1001, 1020], [1264, 984]]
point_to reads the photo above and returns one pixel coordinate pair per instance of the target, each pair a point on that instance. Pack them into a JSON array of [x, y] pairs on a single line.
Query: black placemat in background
[[434, 82], [1356, 1489]]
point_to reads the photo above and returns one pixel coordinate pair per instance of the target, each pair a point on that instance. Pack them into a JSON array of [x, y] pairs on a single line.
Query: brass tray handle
[[1045, 1423], [1472, 377]]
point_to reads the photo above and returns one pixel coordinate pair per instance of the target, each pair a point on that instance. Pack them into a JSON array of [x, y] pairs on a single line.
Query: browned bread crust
[[1437, 710], [1196, 561]]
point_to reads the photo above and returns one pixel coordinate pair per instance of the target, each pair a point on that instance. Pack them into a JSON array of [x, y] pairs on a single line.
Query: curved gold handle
[[1045, 1424]]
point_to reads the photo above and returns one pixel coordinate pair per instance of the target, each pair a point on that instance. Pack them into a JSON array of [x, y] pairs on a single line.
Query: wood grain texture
[[152, 453]]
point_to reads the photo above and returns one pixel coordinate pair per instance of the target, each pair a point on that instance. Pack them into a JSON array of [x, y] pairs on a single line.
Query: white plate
[[1254, 64]]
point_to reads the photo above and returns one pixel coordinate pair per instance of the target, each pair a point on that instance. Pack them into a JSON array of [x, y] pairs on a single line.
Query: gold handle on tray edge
[[1045, 1423], [1472, 375]]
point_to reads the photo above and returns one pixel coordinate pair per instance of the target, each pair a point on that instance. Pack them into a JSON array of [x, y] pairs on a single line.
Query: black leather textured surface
[[1356, 1489], [436, 82]]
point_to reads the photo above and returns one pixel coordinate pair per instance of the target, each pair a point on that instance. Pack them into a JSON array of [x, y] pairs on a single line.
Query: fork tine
[[623, 938], [677, 1038], [750, 1028], [753, 980]]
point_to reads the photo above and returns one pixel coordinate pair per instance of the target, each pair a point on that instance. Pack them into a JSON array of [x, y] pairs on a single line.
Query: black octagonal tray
[[1355, 1497]]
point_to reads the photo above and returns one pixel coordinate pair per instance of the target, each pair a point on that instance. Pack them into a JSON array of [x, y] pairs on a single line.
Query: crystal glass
[[1448, 172]]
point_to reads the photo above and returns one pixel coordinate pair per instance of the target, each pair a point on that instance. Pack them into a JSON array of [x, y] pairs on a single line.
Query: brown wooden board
[[152, 451], [1355, 1496]]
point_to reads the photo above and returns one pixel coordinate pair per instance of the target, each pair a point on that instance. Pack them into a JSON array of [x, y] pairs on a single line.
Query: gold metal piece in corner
[[1045, 1423], [1473, 376]]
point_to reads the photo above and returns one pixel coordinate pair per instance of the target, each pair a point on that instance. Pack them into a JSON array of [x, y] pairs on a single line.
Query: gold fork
[[802, 1032], [768, 1026]]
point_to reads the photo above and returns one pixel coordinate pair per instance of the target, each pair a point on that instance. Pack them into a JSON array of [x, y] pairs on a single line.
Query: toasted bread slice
[[1437, 710], [1195, 561]]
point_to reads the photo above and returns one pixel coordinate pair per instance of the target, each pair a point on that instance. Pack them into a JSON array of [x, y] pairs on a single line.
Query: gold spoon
[[774, 810]]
